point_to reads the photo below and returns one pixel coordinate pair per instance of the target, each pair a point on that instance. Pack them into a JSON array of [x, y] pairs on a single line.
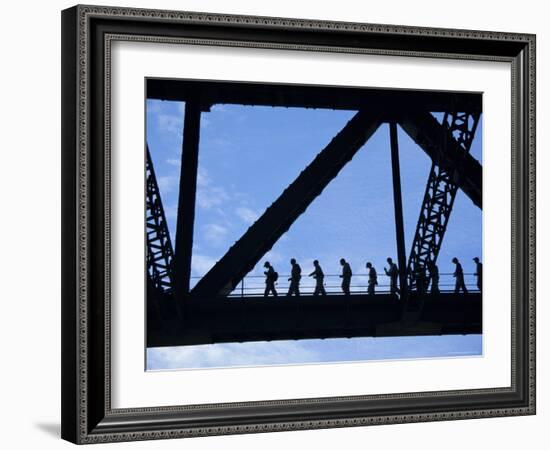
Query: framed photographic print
[[277, 224]]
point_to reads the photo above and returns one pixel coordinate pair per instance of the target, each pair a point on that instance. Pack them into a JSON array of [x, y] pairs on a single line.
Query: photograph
[[309, 224], [277, 222]]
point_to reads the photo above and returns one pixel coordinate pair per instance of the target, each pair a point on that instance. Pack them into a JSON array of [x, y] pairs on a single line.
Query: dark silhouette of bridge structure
[[211, 312]]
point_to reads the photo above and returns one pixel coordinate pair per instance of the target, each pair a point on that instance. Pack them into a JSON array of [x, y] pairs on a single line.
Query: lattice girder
[[441, 189], [159, 247]]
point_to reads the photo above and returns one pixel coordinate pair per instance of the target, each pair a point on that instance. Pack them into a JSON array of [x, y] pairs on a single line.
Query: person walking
[[346, 276], [373, 279], [479, 272], [319, 279], [459, 277], [295, 276], [393, 273], [434, 277], [270, 278], [420, 277]]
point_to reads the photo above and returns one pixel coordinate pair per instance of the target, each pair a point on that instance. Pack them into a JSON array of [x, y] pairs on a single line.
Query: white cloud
[[219, 142], [208, 194], [214, 233], [171, 124], [219, 108], [167, 183], [202, 178], [273, 257], [171, 211], [231, 354], [247, 215], [312, 351], [153, 106], [201, 264], [174, 162], [237, 113], [205, 121]]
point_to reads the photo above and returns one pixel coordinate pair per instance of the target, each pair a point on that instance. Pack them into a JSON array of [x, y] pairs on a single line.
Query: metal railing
[[254, 285]]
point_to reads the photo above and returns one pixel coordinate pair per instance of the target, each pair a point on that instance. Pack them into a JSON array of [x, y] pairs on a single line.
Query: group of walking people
[[421, 279]]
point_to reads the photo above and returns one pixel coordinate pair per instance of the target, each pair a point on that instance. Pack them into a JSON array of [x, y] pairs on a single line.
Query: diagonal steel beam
[[446, 152], [277, 219]]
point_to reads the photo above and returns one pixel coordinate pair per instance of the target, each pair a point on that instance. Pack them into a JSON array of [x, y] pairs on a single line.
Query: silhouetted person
[[420, 277], [434, 277], [393, 273], [373, 279], [459, 278], [295, 276], [270, 278], [346, 276], [319, 279], [479, 272]]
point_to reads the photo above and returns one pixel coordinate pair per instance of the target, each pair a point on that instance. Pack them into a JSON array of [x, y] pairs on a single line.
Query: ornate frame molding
[[84, 422]]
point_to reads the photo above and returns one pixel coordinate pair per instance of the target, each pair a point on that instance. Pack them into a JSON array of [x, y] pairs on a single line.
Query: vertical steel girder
[[398, 207], [439, 197], [159, 246], [187, 197]]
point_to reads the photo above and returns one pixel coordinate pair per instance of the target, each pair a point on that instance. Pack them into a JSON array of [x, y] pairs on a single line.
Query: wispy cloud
[[167, 183], [174, 162], [205, 121], [233, 354], [208, 197], [246, 214], [219, 108], [218, 142], [231, 112], [171, 124], [215, 234], [275, 258], [202, 264], [202, 178], [208, 194], [312, 351], [171, 211], [153, 106]]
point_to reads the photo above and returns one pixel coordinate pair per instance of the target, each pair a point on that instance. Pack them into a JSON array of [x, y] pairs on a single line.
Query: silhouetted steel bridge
[[208, 312]]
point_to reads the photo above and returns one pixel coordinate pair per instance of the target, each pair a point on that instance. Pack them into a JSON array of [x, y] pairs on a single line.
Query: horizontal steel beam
[[310, 96], [210, 321]]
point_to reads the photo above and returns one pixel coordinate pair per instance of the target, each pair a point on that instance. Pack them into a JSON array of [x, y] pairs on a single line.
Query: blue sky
[[247, 156]]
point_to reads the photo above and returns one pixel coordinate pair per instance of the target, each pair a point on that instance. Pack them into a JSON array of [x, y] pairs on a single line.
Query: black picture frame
[[87, 415]]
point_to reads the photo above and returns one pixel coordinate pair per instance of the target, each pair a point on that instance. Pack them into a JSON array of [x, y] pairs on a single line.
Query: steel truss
[[439, 197], [227, 273], [159, 247]]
